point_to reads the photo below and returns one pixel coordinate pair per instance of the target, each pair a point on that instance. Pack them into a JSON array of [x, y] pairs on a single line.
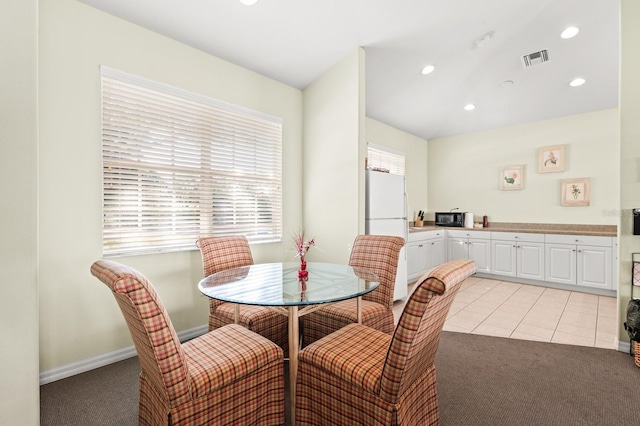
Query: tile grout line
[[525, 315], [495, 309], [537, 300], [564, 308], [470, 303], [597, 314]]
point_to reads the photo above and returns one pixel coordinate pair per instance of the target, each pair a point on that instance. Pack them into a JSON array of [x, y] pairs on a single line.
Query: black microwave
[[450, 219]]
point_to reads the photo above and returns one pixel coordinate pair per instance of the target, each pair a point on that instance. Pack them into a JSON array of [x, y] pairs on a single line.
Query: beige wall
[[75, 303], [629, 149], [463, 170], [333, 195], [415, 150], [78, 316], [19, 393]]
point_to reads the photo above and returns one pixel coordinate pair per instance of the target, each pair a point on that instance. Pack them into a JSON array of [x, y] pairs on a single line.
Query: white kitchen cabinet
[[473, 245], [579, 260], [594, 267], [416, 259], [614, 266], [561, 263], [438, 252], [425, 250], [517, 255]]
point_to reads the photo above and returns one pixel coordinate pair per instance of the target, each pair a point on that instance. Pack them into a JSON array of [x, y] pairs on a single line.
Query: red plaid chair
[[380, 254], [361, 376], [221, 253], [230, 376]]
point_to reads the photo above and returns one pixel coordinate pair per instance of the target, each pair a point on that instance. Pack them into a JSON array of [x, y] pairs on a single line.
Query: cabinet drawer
[[518, 236], [425, 235], [582, 240], [480, 235]]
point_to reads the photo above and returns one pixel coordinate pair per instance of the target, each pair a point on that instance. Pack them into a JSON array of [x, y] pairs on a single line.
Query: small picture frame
[[551, 159], [512, 177], [576, 192]]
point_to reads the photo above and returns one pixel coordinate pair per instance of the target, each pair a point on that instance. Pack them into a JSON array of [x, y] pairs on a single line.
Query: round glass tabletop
[[277, 284]]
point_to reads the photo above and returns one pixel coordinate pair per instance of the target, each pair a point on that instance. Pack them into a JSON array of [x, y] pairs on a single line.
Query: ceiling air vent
[[535, 58]]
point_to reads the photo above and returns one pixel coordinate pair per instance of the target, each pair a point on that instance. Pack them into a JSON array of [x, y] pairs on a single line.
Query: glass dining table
[[277, 286]]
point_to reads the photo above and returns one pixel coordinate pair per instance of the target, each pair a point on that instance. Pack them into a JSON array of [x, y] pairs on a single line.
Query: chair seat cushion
[[225, 355], [345, 312], [249, 314], [355, 354]]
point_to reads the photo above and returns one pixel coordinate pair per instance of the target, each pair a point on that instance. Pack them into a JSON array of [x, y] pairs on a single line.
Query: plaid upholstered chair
[[230, 376], [378, 253], [361, 376], [222, 253]]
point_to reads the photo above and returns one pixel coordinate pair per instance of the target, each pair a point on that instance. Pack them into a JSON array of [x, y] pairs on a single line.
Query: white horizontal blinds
[[382, 158], [177, 166]]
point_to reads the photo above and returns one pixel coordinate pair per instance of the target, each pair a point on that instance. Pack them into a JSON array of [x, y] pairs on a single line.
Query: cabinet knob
[[513, 245], [419, 245], [573, 250]]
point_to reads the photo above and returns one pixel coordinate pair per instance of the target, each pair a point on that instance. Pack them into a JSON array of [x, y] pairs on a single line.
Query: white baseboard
[[624, 347], [88, 364], [98, 361]]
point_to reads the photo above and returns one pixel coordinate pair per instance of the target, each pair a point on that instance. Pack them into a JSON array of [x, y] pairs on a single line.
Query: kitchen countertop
[[531, 228]]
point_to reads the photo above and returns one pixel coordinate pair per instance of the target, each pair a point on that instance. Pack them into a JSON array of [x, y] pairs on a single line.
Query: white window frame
[[385, 159], [178, 165]]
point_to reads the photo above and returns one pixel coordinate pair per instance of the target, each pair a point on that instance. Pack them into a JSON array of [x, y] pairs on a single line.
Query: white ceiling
[[296, 41]]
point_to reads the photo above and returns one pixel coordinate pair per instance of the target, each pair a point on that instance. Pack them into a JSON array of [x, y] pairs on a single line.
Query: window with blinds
[[177, 166], [385, 159]]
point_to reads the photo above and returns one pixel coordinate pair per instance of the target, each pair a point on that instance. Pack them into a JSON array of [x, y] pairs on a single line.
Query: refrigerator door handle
[[406, 229]]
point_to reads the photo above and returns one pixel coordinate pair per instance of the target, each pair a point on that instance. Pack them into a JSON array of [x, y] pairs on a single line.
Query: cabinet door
[[503, 258], [530, 260], [594, 266], [560, 265], [457, 248], [614, 265], [416, 259], [438, 253], [480, 252]]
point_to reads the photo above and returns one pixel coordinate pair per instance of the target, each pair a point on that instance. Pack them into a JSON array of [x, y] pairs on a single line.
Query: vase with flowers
[[302, 247]]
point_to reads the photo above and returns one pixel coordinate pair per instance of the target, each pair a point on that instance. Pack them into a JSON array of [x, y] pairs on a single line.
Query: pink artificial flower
[[302, 246]]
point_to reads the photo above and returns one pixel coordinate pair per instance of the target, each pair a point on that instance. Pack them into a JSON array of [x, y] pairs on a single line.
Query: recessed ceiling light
[[469, 107], [427, 69], [248, 2], [569, 32], [484, 40], [577, 82]]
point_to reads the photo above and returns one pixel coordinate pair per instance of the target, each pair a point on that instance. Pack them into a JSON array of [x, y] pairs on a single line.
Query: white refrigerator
[[386, 214]]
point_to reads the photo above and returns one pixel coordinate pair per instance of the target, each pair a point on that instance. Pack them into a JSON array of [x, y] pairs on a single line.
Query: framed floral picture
[[512, 177], [576, 192], [551, 159]]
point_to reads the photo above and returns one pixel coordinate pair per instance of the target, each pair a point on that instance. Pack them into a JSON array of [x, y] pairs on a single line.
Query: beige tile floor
[[519, 311]]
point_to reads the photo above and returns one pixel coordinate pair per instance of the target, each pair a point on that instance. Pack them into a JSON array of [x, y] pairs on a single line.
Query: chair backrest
[[415, 340], [220, 253], [380, 254], [159, 350]]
